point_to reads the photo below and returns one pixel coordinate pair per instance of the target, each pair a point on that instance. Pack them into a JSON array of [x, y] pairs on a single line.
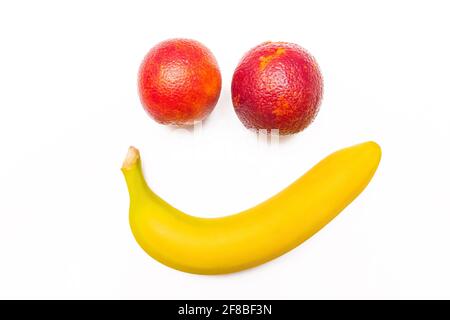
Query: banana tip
[[376, 147], [373, 150], [131, 158]]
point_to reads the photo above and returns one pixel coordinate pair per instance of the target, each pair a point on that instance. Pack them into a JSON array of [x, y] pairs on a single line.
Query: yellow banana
[[254, 236]]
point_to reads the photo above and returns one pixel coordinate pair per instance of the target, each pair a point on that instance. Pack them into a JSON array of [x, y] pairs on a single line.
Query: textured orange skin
[[179, 82], [277, 85]]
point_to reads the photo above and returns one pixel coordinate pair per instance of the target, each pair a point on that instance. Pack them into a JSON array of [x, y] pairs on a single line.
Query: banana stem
[[132, 158], [132, 171]]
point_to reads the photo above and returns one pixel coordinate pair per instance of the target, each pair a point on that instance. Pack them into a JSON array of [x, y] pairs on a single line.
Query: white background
[[69, 109]]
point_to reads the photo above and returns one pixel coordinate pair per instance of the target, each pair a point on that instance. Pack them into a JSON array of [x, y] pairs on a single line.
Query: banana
[[254, 236]]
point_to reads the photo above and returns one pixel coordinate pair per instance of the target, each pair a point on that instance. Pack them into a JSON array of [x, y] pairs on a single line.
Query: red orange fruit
[[179, 82], [277, 85]]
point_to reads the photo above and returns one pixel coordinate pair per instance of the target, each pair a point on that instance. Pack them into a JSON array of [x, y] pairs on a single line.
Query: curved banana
[[254, 236]]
